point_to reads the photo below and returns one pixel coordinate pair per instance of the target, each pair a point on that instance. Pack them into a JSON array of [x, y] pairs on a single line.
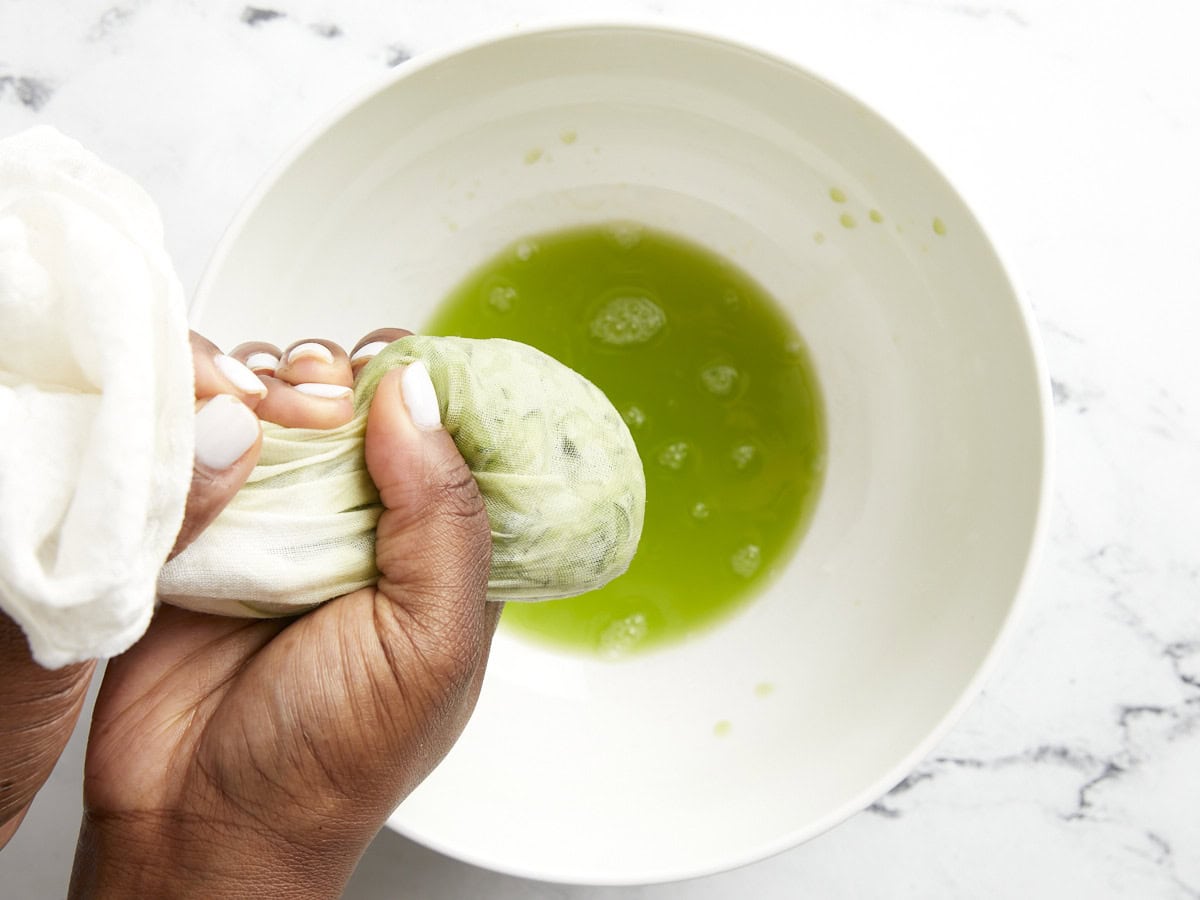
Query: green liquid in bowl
[[718, 391]]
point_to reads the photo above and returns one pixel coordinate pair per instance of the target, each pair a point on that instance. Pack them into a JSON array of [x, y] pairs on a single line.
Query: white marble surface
[[1073, 129]]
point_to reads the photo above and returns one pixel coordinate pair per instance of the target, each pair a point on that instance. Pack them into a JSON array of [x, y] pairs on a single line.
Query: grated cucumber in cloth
[[557, 467]]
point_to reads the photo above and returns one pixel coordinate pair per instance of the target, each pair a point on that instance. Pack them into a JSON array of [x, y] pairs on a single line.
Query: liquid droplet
[[674, 456], [837, 195], [818, 237], [627, 320], [939, 227], [847, 221], [876, 216], [764, 689], [568, 136], [746, 560], [720, 379], [622, 636], [533, 155], [722, 728]]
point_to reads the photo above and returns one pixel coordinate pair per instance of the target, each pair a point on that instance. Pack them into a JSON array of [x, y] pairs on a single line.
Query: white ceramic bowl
[[873, 639]]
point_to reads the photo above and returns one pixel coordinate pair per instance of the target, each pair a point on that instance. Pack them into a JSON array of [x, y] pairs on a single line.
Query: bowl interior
[[856, 657]]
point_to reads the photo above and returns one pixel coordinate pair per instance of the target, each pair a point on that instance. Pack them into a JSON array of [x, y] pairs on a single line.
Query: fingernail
[[420, 397], [317, 389], [310, 350], [225, 429], [241, 377], [262, 360], [367, 350]]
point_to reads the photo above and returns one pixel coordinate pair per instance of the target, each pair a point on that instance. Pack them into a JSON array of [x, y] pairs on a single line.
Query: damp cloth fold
[[96, 399]]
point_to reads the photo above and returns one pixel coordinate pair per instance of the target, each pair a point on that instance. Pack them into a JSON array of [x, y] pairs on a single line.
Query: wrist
[[38, 711], [186, 855], [9, 828]]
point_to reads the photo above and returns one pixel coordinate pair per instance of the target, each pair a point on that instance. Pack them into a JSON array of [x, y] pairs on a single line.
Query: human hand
[[39, 707], [230, 754]]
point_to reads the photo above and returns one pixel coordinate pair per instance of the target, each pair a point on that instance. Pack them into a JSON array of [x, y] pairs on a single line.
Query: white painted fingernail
[[241, 377], [316, 389], [310, 350], [225, 429], [420, 397], [367, 350], [262, 360]]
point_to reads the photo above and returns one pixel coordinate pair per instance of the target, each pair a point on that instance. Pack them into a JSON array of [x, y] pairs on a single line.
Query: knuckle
[[460, 507], [456, 491], [453, 496]]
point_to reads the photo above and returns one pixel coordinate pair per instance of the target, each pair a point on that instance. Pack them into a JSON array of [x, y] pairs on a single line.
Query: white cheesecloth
[[96, 399]]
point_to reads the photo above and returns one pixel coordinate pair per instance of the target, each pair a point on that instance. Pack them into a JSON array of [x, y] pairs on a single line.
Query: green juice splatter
[[718, 391]]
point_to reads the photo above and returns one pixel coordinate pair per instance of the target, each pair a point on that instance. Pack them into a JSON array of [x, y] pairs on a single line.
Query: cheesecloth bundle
[[557, 468], [97, 412]]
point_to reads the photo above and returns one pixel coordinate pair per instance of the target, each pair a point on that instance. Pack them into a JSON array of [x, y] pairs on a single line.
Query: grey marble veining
[[1072, 129]]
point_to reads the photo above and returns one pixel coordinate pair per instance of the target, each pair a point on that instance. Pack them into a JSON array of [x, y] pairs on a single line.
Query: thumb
[[433, 542]]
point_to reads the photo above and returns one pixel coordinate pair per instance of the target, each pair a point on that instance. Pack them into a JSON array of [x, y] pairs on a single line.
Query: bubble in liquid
[[746, 560], [700, 511], [620, 637], [501, 298], [719, 379], [634, 416], [674, 456], [627, 235], [627, 320], [526, 249], [744, 456]]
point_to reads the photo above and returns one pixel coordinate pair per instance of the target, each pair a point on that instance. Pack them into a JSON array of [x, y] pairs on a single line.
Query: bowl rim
[[664, 27]]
